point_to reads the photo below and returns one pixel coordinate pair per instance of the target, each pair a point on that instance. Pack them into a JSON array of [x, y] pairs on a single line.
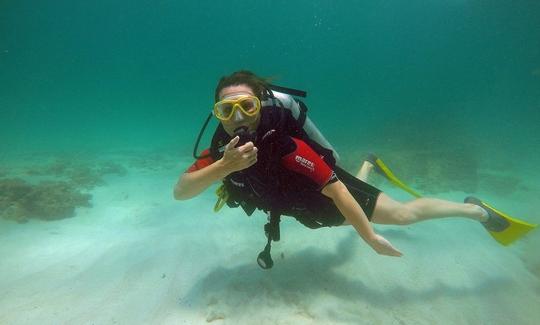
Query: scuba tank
[[298, 110]]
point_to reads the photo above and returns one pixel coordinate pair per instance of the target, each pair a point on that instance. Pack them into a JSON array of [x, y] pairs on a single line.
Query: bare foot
[[364, 171]]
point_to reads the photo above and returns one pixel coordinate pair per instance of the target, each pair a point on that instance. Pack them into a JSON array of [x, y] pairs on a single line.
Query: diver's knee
[[405, 215]]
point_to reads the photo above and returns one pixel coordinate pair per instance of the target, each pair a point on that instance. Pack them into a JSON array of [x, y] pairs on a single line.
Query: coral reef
[[434, 172], [20, 200], [153, 162], [110, 168], [428, 172], [57, 168], [501, 184], [51, 189], [80, 174]]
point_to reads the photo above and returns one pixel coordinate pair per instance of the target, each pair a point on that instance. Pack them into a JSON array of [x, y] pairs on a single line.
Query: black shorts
[[321, 210]]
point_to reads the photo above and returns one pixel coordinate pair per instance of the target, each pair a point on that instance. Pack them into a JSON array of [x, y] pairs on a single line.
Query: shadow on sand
[[309, 276]]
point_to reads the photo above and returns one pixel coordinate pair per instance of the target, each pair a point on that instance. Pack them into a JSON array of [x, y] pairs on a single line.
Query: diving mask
[[248, 105]]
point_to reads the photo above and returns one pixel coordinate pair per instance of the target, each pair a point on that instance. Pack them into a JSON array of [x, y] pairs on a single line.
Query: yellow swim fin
[[382, 169], [501, 226]]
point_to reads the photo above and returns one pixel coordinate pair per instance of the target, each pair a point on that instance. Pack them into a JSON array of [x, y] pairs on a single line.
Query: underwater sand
[[136, 256]]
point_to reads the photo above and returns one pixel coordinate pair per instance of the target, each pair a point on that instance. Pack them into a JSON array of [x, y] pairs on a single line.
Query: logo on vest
[[305, 163]]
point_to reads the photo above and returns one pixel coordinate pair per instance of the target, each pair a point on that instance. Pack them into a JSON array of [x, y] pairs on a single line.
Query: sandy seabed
[[136, 256]]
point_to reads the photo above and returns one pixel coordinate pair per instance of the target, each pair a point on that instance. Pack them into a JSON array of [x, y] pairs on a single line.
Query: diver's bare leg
[[365, 170], [389, 211]]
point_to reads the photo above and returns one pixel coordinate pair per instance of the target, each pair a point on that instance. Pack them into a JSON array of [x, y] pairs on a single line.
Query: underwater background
[[141, 73], [101, 103]]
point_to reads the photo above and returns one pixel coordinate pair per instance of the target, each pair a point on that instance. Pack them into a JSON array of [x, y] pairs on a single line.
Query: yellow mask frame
[[248, 105]]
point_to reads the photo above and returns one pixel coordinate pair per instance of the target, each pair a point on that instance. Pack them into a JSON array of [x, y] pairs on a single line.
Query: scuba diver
[[270, 156]]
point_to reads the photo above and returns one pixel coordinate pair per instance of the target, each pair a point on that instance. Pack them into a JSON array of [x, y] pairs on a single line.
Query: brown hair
[[243, 77]]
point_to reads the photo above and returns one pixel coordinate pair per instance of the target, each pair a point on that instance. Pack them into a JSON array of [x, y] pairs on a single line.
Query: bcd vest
[[267, 185]]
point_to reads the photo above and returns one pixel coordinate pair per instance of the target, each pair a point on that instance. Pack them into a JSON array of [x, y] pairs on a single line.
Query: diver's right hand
[[382, 246], [238, 158]]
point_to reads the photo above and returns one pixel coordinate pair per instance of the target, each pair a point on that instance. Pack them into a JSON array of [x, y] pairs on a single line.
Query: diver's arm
[[350, 209], [193, 183], [354, 214], [301, 158], [234, 158]]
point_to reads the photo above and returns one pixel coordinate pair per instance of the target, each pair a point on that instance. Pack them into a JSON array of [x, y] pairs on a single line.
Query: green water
[[109, 96], [109, 74]]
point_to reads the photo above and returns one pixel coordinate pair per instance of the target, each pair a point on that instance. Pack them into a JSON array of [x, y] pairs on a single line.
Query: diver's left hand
[[383, 247]]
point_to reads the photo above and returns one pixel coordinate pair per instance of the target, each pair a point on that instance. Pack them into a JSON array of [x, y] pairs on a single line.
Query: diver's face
[[239, 120]]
